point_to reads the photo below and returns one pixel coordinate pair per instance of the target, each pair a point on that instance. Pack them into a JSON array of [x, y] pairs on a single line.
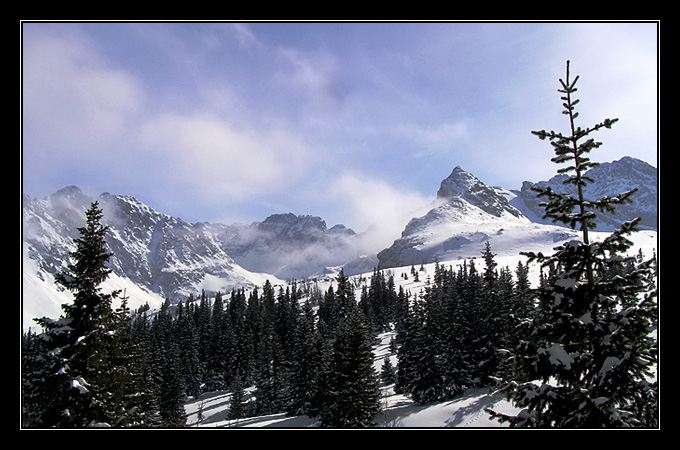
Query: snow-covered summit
[[468, 213], [465, 186]]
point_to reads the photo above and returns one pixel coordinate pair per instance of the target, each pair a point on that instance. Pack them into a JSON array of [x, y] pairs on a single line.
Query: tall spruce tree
[[82, 345], [146, 412], [305, 365], [269, 372], [589, 348], [168, 376], [352, 398]]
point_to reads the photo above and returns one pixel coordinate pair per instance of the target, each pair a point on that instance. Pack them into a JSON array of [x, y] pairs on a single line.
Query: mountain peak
[[68, 192], [459, 182], [462, 185], [612, 178], [289, 222]]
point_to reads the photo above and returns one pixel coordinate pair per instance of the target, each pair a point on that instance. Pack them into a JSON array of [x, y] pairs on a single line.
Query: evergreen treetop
[[573, 149], [85, 348]]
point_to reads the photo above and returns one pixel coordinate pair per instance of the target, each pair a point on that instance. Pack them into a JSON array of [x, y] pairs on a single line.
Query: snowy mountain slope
[[41, 296], [154, 255], [467, 213]]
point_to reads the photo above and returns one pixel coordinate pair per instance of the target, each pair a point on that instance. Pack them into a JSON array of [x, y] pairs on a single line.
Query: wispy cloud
[[310, 75], [376, 206], [244, 35], [72, 96], [214, 158], [438, 138]]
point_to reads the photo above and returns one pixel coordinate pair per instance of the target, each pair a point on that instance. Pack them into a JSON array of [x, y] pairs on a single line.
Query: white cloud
[[211, 156], [311, 76], [377, 206], [244, 35], [71, 95]]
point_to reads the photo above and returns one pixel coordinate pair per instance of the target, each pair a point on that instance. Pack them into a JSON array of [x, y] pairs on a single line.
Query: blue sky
[[353, 122]]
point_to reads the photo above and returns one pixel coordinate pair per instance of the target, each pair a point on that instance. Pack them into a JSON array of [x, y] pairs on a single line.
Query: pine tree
[[172, 389], [237, 406], [328, 314], [490, 324], [240, 349], [124, 395], [146, 410], [589, 349], [269, 371], [36, 388], [407, 353], [305, 365], [430, 364], [189, 343], [83, 345], [387, 372], [352, 398], [168, 376]]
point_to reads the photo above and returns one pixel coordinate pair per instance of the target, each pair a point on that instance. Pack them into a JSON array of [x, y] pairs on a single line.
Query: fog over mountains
[[164, 256]]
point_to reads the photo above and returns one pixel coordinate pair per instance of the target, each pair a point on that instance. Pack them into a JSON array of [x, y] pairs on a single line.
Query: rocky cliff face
[[157, 252], [462, 185], [610, 179], [468, 213]]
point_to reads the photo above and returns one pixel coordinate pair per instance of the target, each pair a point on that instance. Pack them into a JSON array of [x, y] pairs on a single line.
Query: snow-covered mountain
[[611, 179], [158, 256], [467, 213], [155, 256]]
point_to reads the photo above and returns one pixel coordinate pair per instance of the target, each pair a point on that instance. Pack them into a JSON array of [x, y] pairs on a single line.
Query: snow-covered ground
[[397, 410]]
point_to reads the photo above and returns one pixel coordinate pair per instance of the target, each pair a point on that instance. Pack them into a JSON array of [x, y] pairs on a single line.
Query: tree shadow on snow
[[465, 416]]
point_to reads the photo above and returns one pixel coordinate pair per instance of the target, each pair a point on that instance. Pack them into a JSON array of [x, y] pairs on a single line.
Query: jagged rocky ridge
[[289, 245], [171, 258], [611, 179], [157, 252], [467, 213]]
